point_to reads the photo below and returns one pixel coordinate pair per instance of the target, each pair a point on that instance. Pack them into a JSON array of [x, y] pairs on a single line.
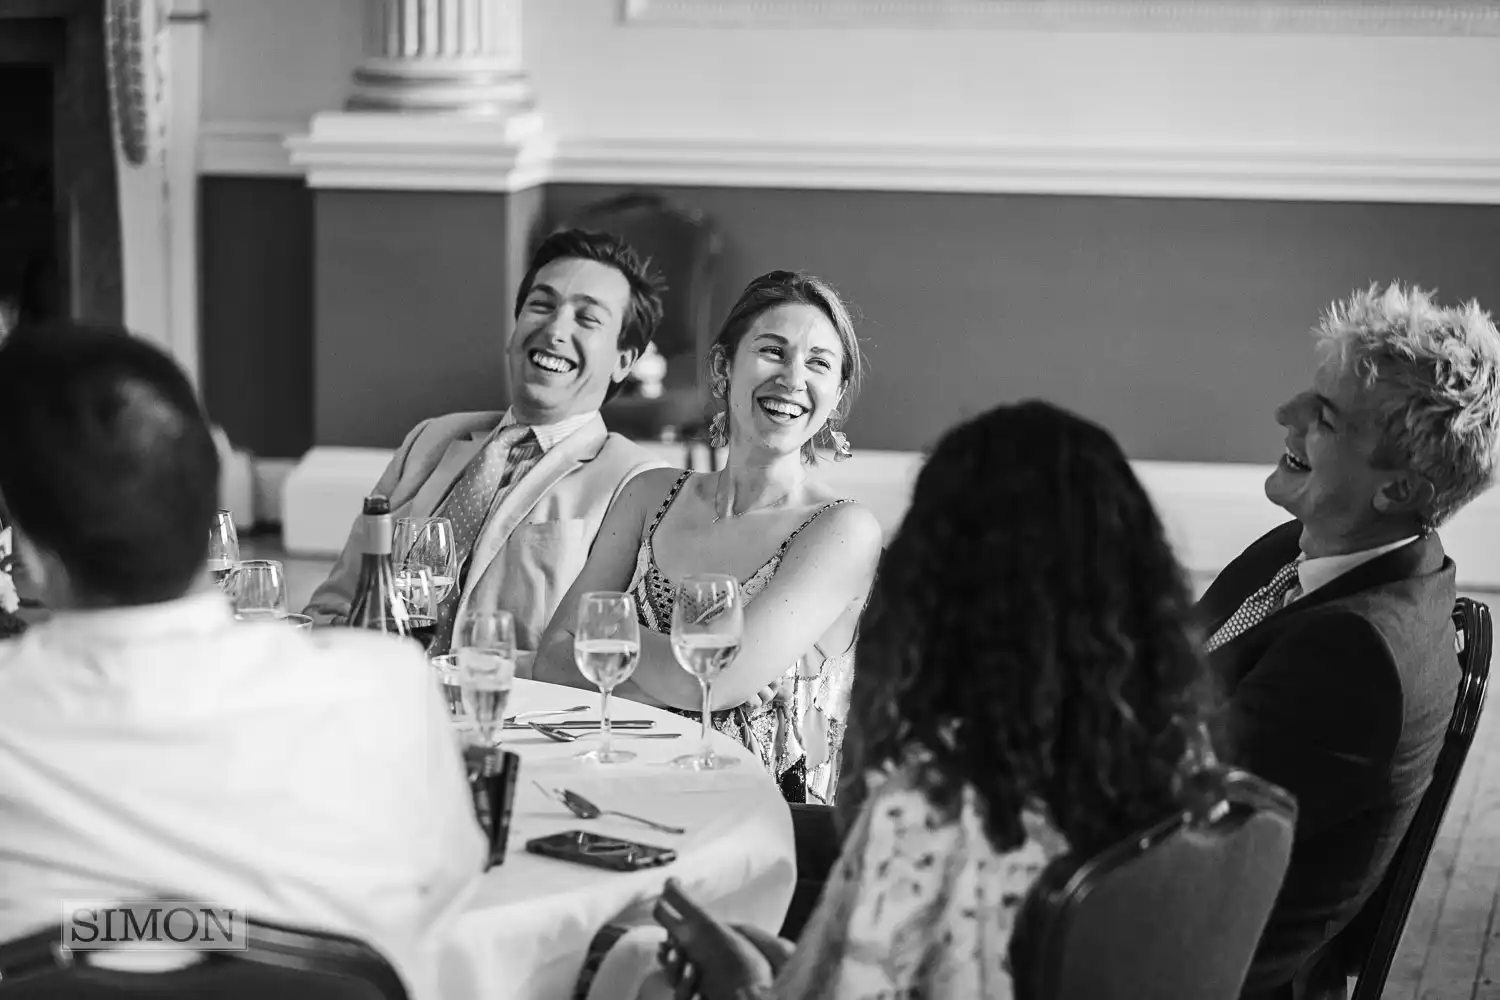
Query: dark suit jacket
[[1342, 698]]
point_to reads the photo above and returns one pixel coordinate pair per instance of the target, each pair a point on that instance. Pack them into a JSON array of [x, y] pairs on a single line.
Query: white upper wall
[[598, 77], [278, 62], [970, 105]]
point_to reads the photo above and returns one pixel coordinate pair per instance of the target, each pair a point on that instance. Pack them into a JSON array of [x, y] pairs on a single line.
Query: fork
[[540, 715]]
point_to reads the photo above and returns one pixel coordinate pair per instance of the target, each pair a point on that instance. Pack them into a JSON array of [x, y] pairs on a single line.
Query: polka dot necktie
[[1257, 607], [468, 507]]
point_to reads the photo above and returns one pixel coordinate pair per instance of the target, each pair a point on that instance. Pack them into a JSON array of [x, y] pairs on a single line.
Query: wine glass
[[420, 595], [426, 543], [607, 646], [257, 590], [484, 649], [708, 621], [223, 547]]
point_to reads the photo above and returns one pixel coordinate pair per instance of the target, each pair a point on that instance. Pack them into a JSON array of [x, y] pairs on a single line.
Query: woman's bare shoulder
[[847, 522], [651, 486]]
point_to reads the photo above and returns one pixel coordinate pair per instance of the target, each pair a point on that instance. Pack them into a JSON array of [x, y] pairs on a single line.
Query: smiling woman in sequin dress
[[785, 368]]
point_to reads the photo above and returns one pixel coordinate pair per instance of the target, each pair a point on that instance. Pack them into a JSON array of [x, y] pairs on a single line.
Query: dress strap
[[811, 518], [667, 504]]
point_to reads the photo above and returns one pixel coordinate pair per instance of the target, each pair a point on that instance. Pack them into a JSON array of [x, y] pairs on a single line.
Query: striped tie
[[1257, 607], [468, 507]]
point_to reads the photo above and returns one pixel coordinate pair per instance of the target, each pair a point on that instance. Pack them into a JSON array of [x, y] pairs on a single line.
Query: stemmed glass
[[484, 649], [425, 543], [607, 646], [450, 678], [420, 596], [257, 590], [223, 547], [708, 621]]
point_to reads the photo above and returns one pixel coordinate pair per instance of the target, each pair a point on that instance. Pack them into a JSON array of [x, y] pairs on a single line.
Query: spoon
[[568, 736], [584, 809]]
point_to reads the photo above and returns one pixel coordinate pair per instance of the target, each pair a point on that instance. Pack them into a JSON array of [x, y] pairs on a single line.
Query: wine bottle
[[376, 603]]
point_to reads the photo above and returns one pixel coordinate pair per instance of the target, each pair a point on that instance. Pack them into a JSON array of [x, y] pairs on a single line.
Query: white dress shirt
[[1313, 574], [311, 778], [549, 436]]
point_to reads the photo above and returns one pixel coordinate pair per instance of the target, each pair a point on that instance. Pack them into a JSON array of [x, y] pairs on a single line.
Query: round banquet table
[[525, 929]]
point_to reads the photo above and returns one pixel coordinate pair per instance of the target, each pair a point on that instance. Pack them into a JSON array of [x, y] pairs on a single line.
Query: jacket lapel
[[583, 445], [1246, 574], [436, 486]]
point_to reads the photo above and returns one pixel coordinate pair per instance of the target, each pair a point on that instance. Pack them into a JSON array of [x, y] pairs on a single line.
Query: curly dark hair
[[1027, 634]]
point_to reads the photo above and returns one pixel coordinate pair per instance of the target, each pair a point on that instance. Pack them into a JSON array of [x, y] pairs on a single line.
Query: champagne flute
[[708, 621], [450, 679], [484, 648], [223, 547], [257, 590], [607, 646], [425, 543]]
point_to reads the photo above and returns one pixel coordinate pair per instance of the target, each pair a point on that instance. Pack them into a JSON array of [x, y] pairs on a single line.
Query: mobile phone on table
[[599, 851]]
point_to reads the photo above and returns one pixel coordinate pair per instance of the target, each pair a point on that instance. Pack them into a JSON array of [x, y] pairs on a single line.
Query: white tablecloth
[[525, 929]]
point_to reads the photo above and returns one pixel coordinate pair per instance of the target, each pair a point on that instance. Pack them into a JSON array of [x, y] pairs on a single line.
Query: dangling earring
[[841, 449], [718, 433]]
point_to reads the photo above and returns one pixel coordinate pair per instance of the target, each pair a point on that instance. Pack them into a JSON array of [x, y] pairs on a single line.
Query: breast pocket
[[555, 550]]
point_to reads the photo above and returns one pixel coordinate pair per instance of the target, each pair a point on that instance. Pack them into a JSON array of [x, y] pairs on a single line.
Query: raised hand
[[706, 957]]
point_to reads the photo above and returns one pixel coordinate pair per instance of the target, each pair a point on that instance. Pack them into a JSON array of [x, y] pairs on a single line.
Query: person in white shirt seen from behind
[[150, 745]]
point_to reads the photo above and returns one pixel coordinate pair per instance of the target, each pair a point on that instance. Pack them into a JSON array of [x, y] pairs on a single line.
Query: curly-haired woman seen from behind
[[1027, 686]]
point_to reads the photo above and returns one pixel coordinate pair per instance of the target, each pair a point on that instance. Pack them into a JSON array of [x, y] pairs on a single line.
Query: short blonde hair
[[1441, 369]]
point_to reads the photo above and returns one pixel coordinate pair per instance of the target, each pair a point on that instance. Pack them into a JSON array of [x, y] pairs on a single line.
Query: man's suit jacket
[[1342, 698], [540, 533]]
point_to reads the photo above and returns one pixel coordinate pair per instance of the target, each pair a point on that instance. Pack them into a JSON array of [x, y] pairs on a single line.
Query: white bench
[[236, 482], [1211, 511]]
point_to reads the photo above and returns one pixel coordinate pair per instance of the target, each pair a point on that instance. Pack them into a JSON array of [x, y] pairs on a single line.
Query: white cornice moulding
[[443, 155], [409, 152], [247, 148], [1356, 17], [1302, 175]]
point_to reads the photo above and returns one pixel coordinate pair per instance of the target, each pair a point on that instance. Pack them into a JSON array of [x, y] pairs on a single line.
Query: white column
[[445, 56]]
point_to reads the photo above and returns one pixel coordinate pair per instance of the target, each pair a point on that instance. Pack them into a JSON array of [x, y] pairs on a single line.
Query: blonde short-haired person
[[1331, 636], [785, 365]]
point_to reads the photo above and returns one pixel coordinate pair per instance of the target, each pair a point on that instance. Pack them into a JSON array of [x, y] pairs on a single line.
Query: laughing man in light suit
[[527, 488]]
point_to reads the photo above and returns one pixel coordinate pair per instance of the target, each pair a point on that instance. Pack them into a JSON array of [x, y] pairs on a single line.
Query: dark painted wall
[[1177, 323], [412, 307], [255, 303]]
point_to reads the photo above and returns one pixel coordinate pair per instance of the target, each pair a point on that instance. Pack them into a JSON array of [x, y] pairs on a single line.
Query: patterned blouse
[[816, 688], [920, 905]]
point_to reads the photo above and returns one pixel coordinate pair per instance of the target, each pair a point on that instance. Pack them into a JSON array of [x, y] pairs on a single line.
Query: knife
[[589, 724]]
